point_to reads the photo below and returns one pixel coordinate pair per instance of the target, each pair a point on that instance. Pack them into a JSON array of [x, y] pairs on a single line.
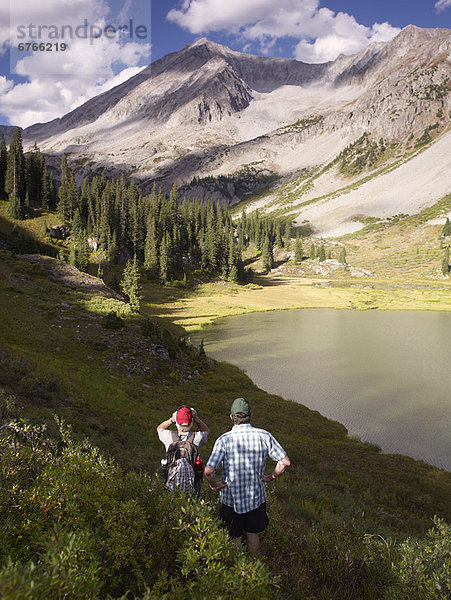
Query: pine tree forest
[[166, 235]]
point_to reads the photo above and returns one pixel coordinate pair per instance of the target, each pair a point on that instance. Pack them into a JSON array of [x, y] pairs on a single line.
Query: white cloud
[[342, 35], [42, 100], [322, 34], [442, 5], [60, 81], [47, 12], [5, 84]]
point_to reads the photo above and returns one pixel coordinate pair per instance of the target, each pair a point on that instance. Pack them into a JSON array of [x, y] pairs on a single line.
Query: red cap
[[184, 416]]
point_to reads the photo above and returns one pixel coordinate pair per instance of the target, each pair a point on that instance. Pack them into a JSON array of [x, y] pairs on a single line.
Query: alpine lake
[[386, 376]]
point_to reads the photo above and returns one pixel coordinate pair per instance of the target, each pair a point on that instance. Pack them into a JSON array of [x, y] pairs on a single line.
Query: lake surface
[[385, 375]]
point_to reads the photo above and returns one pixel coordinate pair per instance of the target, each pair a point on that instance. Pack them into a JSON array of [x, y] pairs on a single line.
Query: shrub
[[112, 321], [151, 330], [74, 525], [423, 567]]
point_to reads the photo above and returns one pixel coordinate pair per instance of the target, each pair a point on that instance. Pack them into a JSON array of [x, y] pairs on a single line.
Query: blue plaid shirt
[[242, 452]]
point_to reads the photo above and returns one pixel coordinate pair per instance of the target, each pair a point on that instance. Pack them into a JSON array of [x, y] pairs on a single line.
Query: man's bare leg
[[253, 542]]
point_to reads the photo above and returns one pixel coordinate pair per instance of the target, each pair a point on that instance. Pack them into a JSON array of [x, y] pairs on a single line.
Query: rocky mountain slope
[[226, 125]]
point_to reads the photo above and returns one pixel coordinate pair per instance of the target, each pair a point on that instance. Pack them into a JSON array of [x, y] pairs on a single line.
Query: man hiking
[[242, 453], [182, 449]]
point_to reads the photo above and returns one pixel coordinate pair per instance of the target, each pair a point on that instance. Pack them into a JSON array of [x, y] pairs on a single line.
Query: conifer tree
[[15, 208], [34, 168], [15, 178], [76, 224], [64, 200], [342, 257], [166, 259], [267, 256], [234, 275], [72, 196], [446, 228], [231, 250], [105, 219], [3, 167], [131, 286], [445, 262], [84, 253], [112, 249], [298, 250], [87, 207], [136, 221], [287, 236], [225, 270], [73, 255], [210, 251], [151, 248], [256, 229], [322, 253], [313, 253], [46, 195], [202, 354], [278, 242], [242, 228], [64, 168]]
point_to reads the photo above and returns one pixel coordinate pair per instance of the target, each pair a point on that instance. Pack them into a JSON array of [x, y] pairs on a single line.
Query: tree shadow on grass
[[19, 239]]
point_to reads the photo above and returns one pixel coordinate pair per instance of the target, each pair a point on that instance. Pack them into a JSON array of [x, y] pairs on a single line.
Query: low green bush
[[112, 321], [74, 525], [423, 567]]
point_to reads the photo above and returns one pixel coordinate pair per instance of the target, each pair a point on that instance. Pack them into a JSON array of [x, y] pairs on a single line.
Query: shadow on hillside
[[278, 263], [17, 238], [266, 281]]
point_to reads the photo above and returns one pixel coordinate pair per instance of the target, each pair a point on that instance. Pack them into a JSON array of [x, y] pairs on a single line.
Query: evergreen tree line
[[168, 236], [316, 252], [25, 180]]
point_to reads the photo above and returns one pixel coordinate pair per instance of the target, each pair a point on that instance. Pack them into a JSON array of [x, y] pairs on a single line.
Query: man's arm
[[166, 424], [209, 473], [200, 424], [280, 467]]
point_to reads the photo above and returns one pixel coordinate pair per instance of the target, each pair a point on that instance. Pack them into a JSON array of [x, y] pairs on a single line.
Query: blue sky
[[41, 85]]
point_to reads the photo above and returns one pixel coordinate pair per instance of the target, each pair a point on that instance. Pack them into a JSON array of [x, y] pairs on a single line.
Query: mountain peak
[[409, 29], [413, 33], [204, 42], [208, 44]]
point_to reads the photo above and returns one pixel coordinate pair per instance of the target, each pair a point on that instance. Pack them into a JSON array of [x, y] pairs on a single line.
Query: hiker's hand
[[193, 413], [174, 416], [218, 485], [268, 478]]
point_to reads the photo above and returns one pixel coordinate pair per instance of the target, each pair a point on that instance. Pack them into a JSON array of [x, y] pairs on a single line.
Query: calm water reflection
[[385, 375]]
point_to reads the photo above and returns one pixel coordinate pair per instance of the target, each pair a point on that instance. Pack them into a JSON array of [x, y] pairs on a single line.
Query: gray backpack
[[180, 467]]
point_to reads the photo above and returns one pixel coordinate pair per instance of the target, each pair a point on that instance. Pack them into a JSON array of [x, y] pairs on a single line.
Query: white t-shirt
[[165, 435]]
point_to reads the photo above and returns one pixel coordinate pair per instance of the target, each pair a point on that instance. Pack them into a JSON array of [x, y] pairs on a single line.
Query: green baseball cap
[[240, 405]]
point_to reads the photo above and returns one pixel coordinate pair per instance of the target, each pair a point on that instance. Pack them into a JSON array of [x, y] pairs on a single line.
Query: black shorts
[[236, 524]]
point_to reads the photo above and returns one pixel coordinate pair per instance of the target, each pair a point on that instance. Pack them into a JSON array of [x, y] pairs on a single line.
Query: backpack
[[181, 456]]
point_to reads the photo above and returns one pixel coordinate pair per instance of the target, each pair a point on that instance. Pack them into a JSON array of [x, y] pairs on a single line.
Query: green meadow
[[346, 520]]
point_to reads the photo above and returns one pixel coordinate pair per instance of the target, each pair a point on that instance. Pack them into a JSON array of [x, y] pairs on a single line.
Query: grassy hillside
[[337, 517]]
